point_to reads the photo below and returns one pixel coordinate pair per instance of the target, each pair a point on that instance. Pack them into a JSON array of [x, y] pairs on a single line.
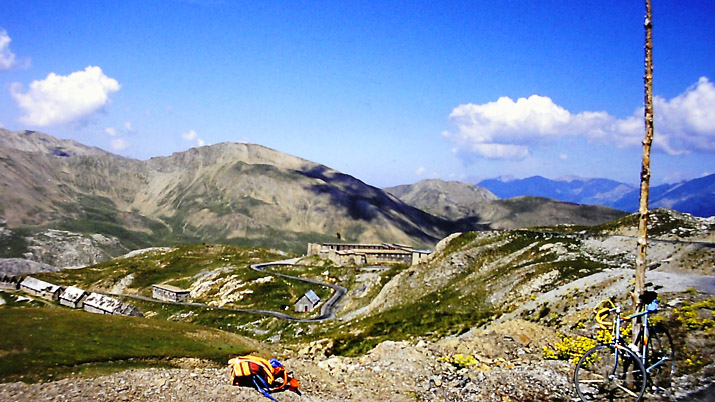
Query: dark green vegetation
[[51, 342], [13, 243], [96, 214]]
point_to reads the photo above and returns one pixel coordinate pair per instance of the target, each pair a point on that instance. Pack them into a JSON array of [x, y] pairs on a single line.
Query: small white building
[[307, 303], [40, 288], [73, 297], [169, 293]]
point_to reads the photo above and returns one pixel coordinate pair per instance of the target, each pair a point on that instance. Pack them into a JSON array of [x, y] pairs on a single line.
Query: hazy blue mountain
[[693, 196], [696, 197], [577, 190]]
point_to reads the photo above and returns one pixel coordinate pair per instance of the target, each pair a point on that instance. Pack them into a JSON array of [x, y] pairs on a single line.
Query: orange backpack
[[266, 375]]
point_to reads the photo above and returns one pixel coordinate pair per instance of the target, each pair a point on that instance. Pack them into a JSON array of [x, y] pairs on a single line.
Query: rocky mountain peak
[[34, 141]]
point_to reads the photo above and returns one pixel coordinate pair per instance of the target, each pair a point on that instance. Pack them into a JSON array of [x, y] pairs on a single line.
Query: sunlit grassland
[[50, 342]]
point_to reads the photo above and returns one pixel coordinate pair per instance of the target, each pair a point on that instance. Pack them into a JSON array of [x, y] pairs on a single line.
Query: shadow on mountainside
[[368, 204]]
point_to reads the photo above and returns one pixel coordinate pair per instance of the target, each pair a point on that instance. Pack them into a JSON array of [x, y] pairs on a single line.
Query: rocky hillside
[[448, 199], [231, 193], [510, 268], [481, 208]]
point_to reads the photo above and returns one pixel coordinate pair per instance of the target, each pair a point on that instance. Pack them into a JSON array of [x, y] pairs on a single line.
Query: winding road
[[327, 311]]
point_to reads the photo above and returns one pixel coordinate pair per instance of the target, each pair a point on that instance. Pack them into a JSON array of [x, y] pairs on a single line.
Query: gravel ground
[[508, 369]]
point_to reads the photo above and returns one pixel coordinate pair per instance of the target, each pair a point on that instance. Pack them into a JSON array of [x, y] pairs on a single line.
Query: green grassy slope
[[46, 342]]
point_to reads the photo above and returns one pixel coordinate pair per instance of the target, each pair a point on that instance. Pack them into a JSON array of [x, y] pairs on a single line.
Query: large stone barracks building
[[367, 254]]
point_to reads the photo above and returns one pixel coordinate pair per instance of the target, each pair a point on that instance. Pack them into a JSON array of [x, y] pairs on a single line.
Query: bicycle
[[617, 371]]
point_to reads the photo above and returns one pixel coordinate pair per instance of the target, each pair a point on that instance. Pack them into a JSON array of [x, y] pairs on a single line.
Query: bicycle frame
[[642, 351], [622, 371]]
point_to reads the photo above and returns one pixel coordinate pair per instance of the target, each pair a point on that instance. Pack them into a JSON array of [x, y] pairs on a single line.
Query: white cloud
[[111, 131], [192, 136], [508, 129], [505, 129], [64, 99], [686, 123], [119, 144], [420, 171], [8, 60]]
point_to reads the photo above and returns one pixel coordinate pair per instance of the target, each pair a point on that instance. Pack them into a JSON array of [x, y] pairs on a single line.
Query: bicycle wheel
[[660, 361], [610, 374]]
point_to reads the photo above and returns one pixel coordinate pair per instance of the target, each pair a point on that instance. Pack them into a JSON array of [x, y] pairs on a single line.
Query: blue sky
[[389, 92]]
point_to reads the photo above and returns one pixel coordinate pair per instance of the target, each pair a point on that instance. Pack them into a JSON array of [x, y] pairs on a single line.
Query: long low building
[[367, 254], [101, 304], [40, 288]]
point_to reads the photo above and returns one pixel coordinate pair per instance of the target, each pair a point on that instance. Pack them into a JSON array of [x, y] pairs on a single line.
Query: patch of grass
[[38, 344], [460, 241], [128, 238], [573, 269]]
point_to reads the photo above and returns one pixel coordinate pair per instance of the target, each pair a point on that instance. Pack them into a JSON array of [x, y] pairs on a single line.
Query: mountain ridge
[[477, 205], [231, 192], [690, 196], [242, 194]]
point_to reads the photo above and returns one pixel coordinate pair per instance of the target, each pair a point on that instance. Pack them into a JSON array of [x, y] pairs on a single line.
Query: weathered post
[[641, 263]]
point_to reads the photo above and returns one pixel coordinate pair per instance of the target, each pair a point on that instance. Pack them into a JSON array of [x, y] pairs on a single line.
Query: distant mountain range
[[237, 193], [468, 203], [696, 197]]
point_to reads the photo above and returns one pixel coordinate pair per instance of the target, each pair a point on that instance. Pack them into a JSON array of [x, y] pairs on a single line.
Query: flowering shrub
[[459, 360], [571, 349], [694, 316]]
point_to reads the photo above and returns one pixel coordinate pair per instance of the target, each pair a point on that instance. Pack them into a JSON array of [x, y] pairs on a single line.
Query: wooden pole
[[641, 263]]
